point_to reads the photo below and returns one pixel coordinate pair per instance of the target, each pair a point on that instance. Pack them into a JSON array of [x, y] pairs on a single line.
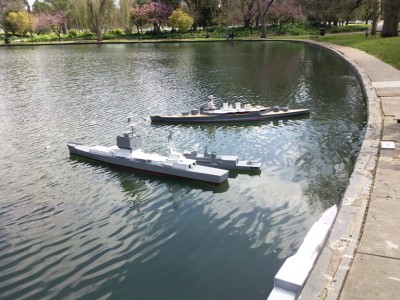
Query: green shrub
[[72, 32], [87, 35], [39, 38], [348, 28], [117, 32]]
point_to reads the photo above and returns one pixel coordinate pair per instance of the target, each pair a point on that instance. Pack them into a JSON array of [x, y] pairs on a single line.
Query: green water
[[74, 229]]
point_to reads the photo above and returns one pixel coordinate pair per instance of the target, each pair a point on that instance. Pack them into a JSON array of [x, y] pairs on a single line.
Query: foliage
[[73, 32], [79, 14], [19, 22], [125, 14], [86, 35], [349, 28], [158, 13], [263, 7], [179, 19], [41, 7], [285, 11], [41, 38], [155, 13], [50, 22], [7, 6], [50, 6], [99, 11], [248, 13], [117, 32], [330, 11], [139, 16], [204, 12]]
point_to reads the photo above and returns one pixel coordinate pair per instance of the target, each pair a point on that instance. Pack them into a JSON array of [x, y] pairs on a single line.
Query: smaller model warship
[[127, 153], [227, 162], [227, 113]]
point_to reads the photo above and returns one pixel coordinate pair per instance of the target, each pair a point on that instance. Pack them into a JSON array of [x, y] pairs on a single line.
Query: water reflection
[[134, 184], [71, 228]]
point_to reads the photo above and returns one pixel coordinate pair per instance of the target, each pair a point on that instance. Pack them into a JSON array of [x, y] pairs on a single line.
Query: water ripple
[[72, 228]]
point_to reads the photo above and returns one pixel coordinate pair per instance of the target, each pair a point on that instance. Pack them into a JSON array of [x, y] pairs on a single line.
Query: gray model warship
[[127, 153], [228, 113], [227, 162]]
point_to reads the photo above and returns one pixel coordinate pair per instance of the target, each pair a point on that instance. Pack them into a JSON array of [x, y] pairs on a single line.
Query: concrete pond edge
[[327, 278]]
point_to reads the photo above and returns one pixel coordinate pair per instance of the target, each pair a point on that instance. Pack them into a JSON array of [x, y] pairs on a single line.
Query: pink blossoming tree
[[155, 13], [51, 22], [284, 11]]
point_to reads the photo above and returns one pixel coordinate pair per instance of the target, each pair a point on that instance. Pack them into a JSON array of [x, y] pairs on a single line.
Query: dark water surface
[[74, 229]]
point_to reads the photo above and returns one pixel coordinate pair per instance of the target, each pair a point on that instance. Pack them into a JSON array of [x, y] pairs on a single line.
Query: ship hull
[[221, 164], [200, 173], [229, 117]]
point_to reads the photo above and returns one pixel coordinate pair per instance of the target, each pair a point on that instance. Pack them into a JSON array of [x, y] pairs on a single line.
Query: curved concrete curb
[[329, 273], [331, 277]]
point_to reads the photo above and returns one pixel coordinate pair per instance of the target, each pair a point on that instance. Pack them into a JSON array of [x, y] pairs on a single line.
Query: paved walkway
[[362, 256]]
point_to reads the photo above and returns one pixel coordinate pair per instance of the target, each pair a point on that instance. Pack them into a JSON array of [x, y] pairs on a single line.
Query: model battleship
[[127, 153]]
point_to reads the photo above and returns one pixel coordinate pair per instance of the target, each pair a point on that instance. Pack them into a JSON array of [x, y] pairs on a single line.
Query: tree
[[158, 13], [139, 17], [195, 7], [391, 18], [285, 11], [249, 9], [329, 11], [7, 6], [372, 11], [179, 19], [54, 22], [41, 7], [125, 6], [79, 14], [204, 11], [18, 22], [58, 9], [155, 13], [98, 10], [262, 8]]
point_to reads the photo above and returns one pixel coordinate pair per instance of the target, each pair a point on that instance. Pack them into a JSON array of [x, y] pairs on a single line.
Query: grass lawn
[[386, 49]]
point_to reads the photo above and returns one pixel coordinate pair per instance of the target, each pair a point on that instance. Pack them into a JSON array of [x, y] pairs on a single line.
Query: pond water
[[71, 228]]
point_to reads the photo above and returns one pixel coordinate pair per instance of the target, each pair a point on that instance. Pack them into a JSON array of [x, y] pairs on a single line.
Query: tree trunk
[[64, 27], [99, 34], [28, 6], [391, 18], [128, 29], [246, 21], [375, 17], [262, 12], [96, 13], [197, 11], [263, 28], [280, 27], [261, 18]]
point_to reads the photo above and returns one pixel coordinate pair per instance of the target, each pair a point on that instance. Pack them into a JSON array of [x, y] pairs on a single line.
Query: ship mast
[[131, 125]]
